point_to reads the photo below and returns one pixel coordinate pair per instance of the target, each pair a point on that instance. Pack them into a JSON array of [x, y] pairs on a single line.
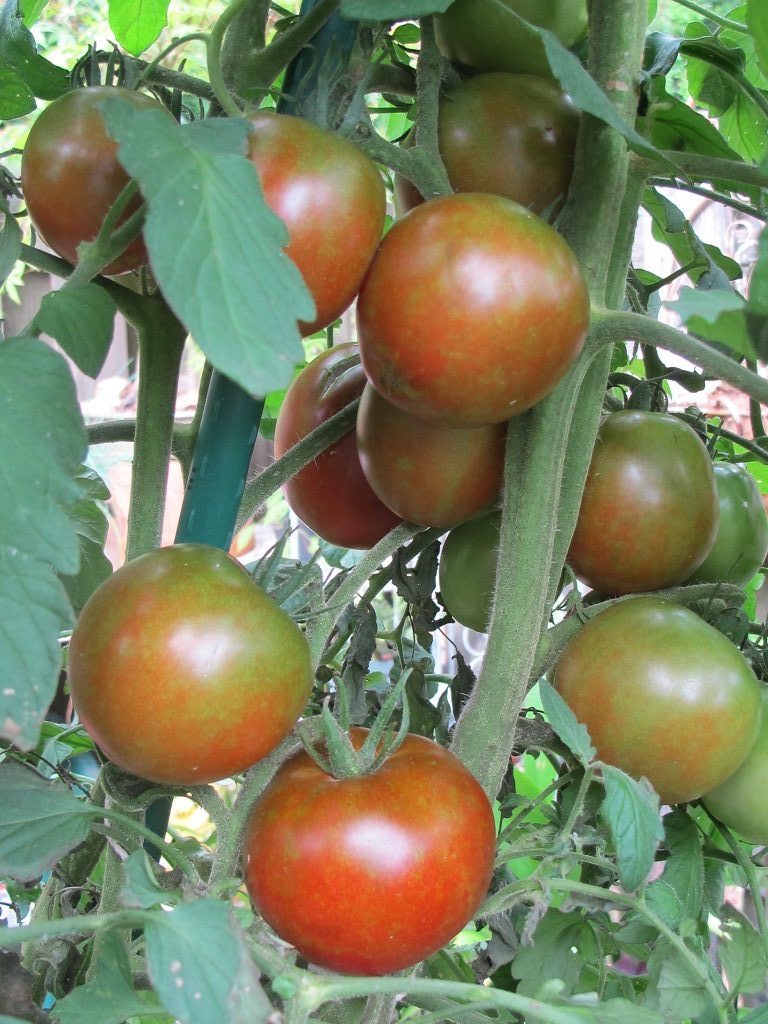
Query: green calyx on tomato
[[508, 135], [492, 310], [663, 695], [649, 511], [741, 543], [332, 199], [183, 670], [371, 874], [467, 572]]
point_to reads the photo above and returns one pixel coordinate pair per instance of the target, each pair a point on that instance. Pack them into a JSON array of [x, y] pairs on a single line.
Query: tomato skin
[[509, 135], [740, 802], [467, 571], [663, 694], [370, 875], [332, 199], [331, 494], [649, 512], [478, 34], [428, 474], [183, 670], [741, 543], [71, 176], [491, 311]]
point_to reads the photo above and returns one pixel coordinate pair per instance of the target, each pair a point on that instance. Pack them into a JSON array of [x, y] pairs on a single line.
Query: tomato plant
[[649, 512], [371, 874], [663, 694], [332, 199], [467, 572], [739, 802], [492, 311], [183, 670], [741, 542], [479, 33], [427, 473], [510, 135], [71, 176], [331, 494]]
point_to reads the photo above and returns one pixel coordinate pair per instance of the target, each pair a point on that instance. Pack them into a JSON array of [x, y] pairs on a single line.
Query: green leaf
[[743, 126], [10, 244], [564, 944], [16, 98], [573, 734], [214, 245], [675, 989], [715, 315], [31, 10], [90, 522], [194, 954], [391, 10], [631, 810], [81, 318], [11, 1020], [137, 23], [40, 821], [757, 19], [757, 1016], [671, 227], [742, 954], [109, 997], [684, 868], [140, 888], [18, 51], [42, 444], [675, 125]]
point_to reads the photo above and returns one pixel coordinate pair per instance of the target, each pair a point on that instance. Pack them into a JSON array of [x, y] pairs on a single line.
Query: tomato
[[472, 311], [649, 512], [510, 135], [331, 495], [372, 874], [427, 473], [663, 695], [480, 33], [71, 176], [741, 543], [467, 573], [332, 199], [740, 802], [183, 670]]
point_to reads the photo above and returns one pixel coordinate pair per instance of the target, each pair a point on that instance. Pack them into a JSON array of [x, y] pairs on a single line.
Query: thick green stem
[[80, 925], [700, 167]]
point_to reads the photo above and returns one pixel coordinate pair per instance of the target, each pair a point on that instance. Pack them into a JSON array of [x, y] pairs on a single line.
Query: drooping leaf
[[215, 247], [573, 734], [671, 227], [81, 318], [16, 98], [42, 444], [674, 988], [757, 19], [675, 125], [18, 52], [564, 943], [40, 821], [91, 524], [10, 246], [631, 810], [391, 10], [715, 315], [137, 23], [140, 887], [742, 954]]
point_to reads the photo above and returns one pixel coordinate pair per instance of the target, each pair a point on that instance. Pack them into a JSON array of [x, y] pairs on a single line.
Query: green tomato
[[467, 571], [741, 543], [482, 35], [740, 802]]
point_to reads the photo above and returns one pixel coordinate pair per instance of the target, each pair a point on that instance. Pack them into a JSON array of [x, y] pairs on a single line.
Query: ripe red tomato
[[510, 135], [740, 802], [742, 534], [183, 670], [332, 199], [372, 874], [331, 494], [471, 312], [467, 573], [427, 473], [71, 176], [649, 512], [663, 694], [480, 34]]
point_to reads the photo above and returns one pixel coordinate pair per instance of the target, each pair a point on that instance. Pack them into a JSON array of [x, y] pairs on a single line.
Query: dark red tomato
[[331, 494], [71, 176], [663, 695], [741, 543], [649, 512], [332, 200], [427, 473], [183, 670], [370, 875], [480, 33], [740, 802], [467, 573], [491, 310], [510, 135]]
